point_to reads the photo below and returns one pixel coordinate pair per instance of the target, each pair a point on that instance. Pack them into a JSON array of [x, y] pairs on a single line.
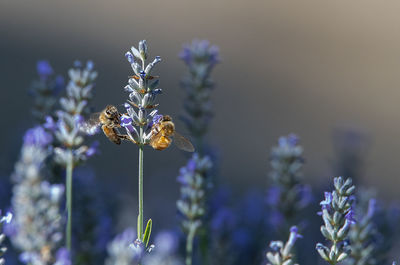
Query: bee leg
[[126, 137]]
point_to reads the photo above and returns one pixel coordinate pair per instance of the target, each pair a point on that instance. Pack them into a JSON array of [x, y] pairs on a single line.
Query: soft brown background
[[288, 66]]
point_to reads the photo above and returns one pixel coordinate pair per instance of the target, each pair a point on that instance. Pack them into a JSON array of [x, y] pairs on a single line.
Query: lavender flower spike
[[68, 128], [200, 57], [192, 202], [338, 216], [287, 196], [141, 114], [37, 226], [282, 254], [45, 90]]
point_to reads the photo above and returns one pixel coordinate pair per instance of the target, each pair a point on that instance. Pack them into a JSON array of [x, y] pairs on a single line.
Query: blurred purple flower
[[44, 69], [273, 196], [166, 242], [200, 51], [350, 216], [37, 136], [223, 219], [63, 257]]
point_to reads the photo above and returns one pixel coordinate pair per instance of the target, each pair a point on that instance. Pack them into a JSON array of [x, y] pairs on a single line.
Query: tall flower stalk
[[36, 230], [192, 202], [338, 215], [200, 58], [141, 116], [68, 129], [363, 235], [287, 196]]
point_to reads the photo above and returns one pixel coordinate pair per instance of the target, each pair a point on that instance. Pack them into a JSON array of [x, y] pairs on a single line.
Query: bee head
[[111, 111]]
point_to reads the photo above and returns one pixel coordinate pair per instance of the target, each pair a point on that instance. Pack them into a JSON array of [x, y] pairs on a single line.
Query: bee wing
[[182, 143], [91, 125]]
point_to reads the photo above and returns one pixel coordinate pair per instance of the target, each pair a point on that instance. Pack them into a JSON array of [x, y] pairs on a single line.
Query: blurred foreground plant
[[37, 227]]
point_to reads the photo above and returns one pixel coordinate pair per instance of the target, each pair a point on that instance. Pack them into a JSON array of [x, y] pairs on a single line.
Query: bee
[[109, 120], [163, 131]]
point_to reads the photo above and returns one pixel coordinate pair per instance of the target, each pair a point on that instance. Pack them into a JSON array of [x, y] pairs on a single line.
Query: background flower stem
[[189, 246], [70, 167]]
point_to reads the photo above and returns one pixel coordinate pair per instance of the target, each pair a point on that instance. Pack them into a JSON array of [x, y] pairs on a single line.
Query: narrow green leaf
[[147, 232]]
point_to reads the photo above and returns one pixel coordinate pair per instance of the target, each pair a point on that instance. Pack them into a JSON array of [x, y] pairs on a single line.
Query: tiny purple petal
[[191, 165], [371, 207], [50, 124], [93, 149], [295, 231], [89, 65], [130, 57], [157, 118], [350, 216], [326, 204]]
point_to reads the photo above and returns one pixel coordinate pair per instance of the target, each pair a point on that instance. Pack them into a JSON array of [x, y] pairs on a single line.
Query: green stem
[[140, 193], [70, 167], [189, 245]]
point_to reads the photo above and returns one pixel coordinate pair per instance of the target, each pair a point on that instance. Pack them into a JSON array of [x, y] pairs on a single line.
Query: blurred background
[[308, 67]]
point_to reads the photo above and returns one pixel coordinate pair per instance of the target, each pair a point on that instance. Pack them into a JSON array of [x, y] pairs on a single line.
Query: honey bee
[[109, 120], [163, 132]]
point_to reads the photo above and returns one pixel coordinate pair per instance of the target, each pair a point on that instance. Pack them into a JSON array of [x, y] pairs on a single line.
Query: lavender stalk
[[192, 202], [68, 129], [338, 216], [37, 227], [138, 123], [287, 196]]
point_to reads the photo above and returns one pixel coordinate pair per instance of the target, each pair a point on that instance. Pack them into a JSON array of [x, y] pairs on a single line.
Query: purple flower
[[371, 207], [37, 136], [157, 118], [350, 216], [295, 232], [50, 124], [130, 57], [63, 257], [289, 141], [200, 51], [273, 196], [326, 204], [223, 220], [166, 242], [126, 122], [44, 69], [93, 149]]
